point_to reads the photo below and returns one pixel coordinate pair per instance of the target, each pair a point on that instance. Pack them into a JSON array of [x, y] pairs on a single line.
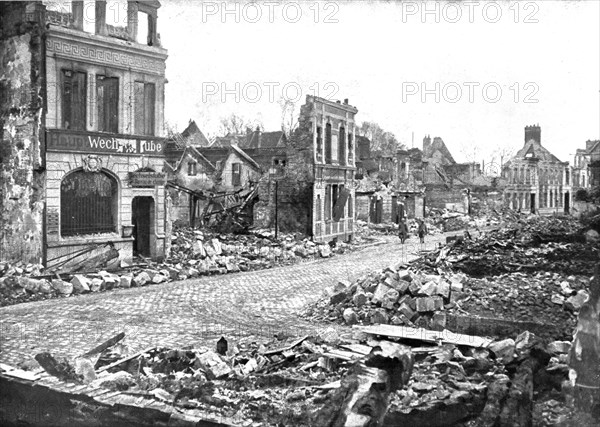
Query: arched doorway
[[142, 218]]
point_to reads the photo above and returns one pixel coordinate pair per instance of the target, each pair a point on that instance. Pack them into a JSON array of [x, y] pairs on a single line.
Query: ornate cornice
[[105, 51]]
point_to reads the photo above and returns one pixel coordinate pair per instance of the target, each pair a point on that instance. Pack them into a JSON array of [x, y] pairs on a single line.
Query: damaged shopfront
[[105, 198]]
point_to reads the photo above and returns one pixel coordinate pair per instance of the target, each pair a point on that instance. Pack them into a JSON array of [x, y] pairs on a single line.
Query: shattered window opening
[[236, 174], [107, 92], [145, 98], [73, 100]]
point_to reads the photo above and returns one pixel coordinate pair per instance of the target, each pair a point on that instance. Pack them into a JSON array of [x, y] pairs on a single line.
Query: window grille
[[88, 204]]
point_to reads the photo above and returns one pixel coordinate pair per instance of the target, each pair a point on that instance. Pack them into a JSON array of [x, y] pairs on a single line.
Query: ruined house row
[[86, 166]]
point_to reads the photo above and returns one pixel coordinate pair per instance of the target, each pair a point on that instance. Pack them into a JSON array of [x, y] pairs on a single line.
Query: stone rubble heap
[[529, 244], [194, 253], [402, 296]]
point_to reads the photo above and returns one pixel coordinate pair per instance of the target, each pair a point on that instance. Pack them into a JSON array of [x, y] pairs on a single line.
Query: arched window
[[88, 203]]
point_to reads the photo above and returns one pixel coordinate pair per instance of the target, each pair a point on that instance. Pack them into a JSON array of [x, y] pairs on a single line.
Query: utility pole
[[276, 210]]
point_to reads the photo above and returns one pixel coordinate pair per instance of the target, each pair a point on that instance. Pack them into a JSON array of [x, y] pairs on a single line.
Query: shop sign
[[92, 142], [146, 179]]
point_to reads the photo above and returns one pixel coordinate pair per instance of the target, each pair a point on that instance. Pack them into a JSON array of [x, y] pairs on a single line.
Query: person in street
[[402, 230], [422, 230]]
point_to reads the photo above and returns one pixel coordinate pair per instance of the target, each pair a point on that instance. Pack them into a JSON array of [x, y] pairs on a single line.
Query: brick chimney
[[533, 132]]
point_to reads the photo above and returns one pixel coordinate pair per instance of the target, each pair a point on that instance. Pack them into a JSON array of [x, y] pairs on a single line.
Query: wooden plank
[[23, 375], [291, 346], [425, 335], [358, 348], [106, 344], [344, 355], [330, 386], [109, 398], [125, 359]]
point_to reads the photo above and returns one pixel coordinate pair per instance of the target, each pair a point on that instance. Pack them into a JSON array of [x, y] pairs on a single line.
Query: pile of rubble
[[446, 220], [403, 296], [195, 253], [527, 245], [367, 230], [368, 376], [245, 252]]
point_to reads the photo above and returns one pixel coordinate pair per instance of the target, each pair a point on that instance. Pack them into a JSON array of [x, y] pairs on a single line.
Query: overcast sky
[[543, 56]]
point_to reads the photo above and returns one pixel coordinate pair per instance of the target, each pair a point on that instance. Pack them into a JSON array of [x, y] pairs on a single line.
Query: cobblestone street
[[188, 312]]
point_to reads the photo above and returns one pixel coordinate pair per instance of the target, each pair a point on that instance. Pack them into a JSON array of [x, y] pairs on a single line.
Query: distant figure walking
[[422, 230], [402, 230]]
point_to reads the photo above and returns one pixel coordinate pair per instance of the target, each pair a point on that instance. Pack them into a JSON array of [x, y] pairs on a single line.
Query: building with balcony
[[537, 181], [100, 173]]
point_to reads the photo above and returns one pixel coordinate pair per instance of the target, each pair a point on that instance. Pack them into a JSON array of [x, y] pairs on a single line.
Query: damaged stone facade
[[104, 128], [316, 189], [21, 131], [82, 123], [538, 182]]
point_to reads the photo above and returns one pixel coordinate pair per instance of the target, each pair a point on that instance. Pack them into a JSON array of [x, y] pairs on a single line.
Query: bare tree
[[471, 152], [382, 142], [233, 125], [289, 121], [503, 154]]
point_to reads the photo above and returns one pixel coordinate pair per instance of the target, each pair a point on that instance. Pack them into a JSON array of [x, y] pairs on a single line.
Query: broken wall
[[294, 189], [21, 116], [440, 196]]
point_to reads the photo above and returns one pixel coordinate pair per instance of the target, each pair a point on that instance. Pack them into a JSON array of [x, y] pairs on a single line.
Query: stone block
[[359, 299], [414, 287], [378, 316], [426, 304], [390, 298], [443, 289], [141, 279], [214, 366], [559, 347], [62, 287], [379, 293], [404, 275], [80, 284], [428, 289], [438, 321], [125, 281], [350, 316], [504, 350], [406, 311], [96, 284], [576, 301]]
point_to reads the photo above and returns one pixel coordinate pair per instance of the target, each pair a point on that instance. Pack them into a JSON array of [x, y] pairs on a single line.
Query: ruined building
[[538, 182], [314, 193], [82, 127], [586, 166]]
